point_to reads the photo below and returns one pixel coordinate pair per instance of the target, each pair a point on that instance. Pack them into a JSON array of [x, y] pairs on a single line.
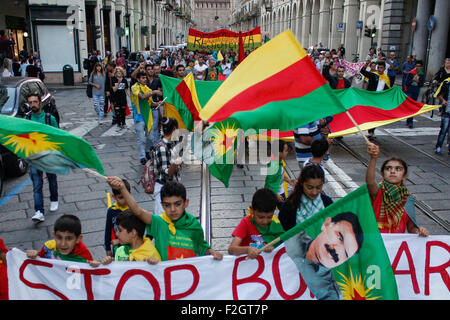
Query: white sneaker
[[54, 205], [38, 216]]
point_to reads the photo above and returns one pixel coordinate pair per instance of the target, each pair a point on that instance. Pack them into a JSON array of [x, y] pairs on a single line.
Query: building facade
[[211, 15], [401, 26], [63, 32]]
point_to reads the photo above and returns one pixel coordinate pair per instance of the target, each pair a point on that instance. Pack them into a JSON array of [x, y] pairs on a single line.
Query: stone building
[[401, 25], [212, 15]]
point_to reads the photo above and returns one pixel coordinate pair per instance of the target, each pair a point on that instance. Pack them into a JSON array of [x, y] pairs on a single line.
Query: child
[[258, 228], [3, 273], [390, 197], [319, 150], [177, 233], [111, 241], [307, 198], [130, 233], [67, 244], [279, 182]]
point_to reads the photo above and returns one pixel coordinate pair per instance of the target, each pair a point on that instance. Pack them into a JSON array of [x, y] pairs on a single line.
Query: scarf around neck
[[392, 205]]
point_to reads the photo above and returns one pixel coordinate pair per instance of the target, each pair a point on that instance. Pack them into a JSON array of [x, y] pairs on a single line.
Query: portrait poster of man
[[340, 254]]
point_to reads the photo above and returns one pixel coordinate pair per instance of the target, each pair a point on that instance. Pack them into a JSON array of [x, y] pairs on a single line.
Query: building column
[[439, 38], [315, 23], [112, 29], [351, 14], [392, 22], [324, 23], [306, 26], [421, 32], [98, 18], [369, 18], [337, 16]]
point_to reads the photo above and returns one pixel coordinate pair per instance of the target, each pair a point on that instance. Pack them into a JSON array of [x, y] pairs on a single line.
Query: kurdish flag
[[284, 94], [371, 109], [47, 148], [340, 253], [185, 98]]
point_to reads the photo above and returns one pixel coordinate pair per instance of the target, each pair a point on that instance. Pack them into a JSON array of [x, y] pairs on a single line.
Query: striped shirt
[[303, 151]]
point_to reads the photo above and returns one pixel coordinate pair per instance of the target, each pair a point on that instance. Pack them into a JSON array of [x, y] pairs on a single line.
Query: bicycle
[[428, 95]]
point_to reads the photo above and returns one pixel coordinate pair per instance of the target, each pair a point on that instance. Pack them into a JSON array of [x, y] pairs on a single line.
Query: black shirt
[[119, 96], [32, 70]]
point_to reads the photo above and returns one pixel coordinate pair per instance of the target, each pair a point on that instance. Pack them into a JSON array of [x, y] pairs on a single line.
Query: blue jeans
[[99, 105], [143, 143], [154, 132], [37, 179], [445, 124]]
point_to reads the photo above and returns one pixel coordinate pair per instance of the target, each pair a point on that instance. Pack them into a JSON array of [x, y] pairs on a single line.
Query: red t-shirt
[[341, 84], [249, 234]]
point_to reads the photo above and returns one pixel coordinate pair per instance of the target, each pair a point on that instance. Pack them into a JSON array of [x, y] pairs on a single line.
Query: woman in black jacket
[[307, 198]]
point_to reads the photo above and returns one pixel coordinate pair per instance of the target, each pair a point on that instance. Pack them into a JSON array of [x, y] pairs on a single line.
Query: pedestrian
[[180, 71], [337, 81], [305, 135], [109, 70], [111, 241], [16, 67], [166, 164], [276, 179], [378, 81], [307, 199], [154, 83], [443, 95], [393, 68], [258, 228], [23, 66], [319, 150], [174, 224], [38, 115], [97, 80], [67, 243], [190, 66], [443, 73], [200, 69], [141, 96], [31, 70], [119, 92], [134, 246], [391, 198], [120, 60], [211, 72], [3, 272], [407, 66], [414, 81]]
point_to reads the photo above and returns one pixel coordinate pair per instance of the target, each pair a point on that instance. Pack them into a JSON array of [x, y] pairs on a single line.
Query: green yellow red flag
[[47, 148]]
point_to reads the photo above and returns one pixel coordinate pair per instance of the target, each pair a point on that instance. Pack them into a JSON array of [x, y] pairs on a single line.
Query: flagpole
[[276, 240], [95, 173], [357, 126]]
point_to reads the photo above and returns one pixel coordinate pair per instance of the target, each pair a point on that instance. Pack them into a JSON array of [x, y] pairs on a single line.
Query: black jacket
[[288, 213], [373, 80]]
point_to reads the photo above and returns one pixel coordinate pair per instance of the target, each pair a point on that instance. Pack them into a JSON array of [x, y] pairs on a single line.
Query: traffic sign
[[359, 24], [431, 23]]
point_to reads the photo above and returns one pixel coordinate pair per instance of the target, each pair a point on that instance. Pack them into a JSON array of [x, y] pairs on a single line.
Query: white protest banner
[[421, 266]]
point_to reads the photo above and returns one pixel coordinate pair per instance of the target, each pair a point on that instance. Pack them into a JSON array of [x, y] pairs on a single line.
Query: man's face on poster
[[334, 245]]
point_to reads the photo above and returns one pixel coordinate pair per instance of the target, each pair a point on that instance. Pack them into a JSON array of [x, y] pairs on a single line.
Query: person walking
[[38, 115], [414, 81], [97, 81]]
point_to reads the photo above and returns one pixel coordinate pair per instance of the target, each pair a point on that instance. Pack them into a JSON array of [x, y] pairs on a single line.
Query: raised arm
[[142, 214], [373, 150]]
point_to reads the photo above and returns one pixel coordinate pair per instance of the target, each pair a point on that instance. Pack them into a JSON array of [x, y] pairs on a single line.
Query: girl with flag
[[307, 199], [392, 204]]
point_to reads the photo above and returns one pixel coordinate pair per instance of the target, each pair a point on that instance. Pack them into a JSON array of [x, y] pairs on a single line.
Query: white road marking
[[84, 128], [113, 132]]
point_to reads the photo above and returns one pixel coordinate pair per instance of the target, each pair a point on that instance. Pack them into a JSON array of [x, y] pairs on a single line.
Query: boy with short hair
[[134, 247], [177, 233], [319, 150], [259, 227], [111, 241], [67, 244]]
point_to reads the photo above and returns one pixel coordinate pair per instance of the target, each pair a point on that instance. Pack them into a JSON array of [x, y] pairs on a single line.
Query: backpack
[[149, 175], [47, 118]]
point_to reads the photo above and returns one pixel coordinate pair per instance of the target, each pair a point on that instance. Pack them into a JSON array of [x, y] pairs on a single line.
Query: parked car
[[13, 93]]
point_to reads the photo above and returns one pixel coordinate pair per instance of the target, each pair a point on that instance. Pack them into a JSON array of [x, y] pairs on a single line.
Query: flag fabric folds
[[47, 148], [284, 94], [143, 106], [371, 109], [175, 105], [340, 253]]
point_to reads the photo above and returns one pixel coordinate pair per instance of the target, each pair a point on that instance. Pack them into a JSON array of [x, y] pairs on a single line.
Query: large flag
[[143, 106], [223, 40], [340, 253], [183, 93], [283, 94], [371, 109], [45, 147]]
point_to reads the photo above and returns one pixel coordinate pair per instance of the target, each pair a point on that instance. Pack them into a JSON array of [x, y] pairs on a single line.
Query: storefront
[[16, 27]]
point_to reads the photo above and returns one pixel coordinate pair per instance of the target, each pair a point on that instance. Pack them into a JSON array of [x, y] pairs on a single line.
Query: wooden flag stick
[[276, 240], [357, 126], [95, 173]]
